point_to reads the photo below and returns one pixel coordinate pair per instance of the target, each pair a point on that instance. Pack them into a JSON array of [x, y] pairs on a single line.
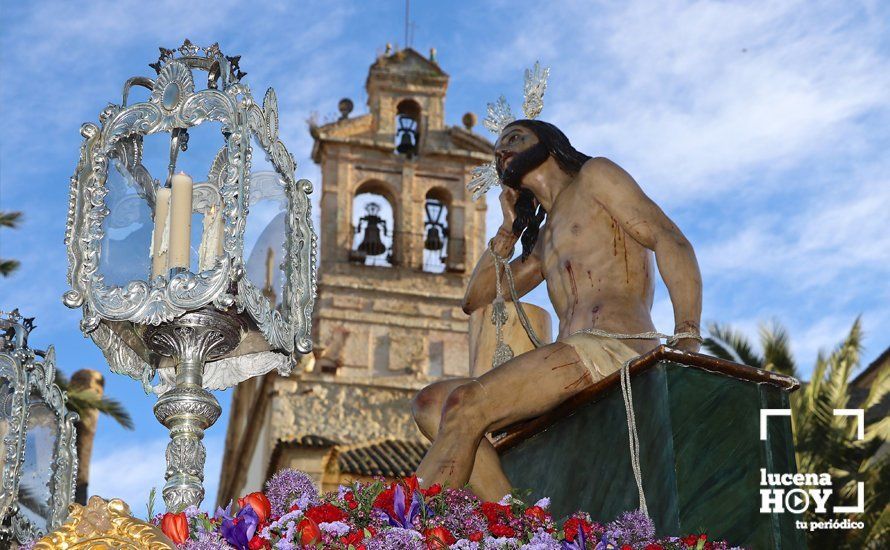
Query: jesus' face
[[518, 151]]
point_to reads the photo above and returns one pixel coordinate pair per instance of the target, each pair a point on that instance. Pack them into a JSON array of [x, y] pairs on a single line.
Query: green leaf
[[150, 506]]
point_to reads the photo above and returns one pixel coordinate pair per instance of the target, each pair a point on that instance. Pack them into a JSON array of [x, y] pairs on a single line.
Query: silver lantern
[[37, 438], [169, 270]]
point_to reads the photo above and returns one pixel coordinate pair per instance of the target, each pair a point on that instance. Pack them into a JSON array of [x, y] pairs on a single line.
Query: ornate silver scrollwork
[[27, 382]]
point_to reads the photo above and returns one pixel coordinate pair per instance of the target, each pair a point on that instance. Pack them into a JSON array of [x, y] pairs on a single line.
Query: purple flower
[[633, 528], [542, 540], [503, 543], [335, 528], [239, 530], [544, 503], [206, 541], [460, 517], [290, 486], [403, 539], [401, 517]]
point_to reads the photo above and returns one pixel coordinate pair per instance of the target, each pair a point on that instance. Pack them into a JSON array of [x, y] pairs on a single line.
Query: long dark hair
[[530, 215]]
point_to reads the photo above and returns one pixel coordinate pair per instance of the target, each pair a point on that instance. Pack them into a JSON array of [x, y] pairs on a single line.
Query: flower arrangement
[[291, 515]]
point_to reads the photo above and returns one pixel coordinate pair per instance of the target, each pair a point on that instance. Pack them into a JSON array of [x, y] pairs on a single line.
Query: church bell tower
[[399, 233], [399, 236]]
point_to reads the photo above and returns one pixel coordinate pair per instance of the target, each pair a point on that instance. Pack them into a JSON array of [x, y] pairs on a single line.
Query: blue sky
[[761, 128]]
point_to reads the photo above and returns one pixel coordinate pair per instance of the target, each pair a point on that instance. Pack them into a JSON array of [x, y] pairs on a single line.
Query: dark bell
[[371, 244], [433, 239], [406, 144]]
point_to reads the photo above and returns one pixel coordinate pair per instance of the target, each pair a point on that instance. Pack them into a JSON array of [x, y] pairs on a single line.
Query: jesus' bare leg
[[526, 386], [487, 480]]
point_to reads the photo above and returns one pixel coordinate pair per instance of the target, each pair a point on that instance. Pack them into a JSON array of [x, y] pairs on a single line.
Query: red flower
[[438, 538], [259, 503], [495, 512], [257, 543], [434, 490], [501, 530], [353, 538], [476, 536], [310, 534], [627, 547], [654, 546], [571, 528], [537, 513], [411, 483], [176, 527], [325, 513]]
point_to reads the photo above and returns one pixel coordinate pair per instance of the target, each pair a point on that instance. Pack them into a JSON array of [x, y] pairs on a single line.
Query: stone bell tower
[[399, 236], [396, 314]]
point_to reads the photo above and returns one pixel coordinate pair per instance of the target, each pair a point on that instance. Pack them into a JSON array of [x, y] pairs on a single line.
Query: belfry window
[[407, 127], [435, 232], [374, 226]]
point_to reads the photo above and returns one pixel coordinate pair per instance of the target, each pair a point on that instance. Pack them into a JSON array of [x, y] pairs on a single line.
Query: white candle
[[211, 238], [180, 221], [158, 243]]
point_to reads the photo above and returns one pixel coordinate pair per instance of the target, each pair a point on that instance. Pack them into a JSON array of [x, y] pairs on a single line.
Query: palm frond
[[718, 349], [737, 342], [776, 346], [10, 219], [82, 401], [8, 266]]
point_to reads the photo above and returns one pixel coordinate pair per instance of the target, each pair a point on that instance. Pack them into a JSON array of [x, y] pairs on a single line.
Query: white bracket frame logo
[[860, 435]]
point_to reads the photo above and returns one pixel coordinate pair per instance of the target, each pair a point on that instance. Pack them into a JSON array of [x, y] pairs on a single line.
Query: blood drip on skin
[[564, 365], [572, 278], [586, 376]]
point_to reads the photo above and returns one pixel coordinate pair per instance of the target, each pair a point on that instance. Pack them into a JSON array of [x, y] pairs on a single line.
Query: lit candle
[[159, 238], [180, 221]]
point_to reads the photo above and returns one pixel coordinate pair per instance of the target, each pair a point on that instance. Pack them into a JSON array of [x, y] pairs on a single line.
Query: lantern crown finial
[[210, 59]]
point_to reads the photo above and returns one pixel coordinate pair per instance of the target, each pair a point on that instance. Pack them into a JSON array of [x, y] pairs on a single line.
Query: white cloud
[[757, 126]]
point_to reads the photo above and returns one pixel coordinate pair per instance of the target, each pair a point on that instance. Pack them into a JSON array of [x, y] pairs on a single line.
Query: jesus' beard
[[523, 163]]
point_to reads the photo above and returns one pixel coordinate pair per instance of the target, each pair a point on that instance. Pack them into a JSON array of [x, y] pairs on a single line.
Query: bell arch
[[437, 207], [407, 137], [374, 225]]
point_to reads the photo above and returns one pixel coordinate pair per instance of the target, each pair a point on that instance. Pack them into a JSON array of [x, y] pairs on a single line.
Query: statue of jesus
[[595, 252]]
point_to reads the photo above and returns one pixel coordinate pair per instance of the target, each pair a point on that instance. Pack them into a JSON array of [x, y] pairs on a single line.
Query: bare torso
[[597, 275]]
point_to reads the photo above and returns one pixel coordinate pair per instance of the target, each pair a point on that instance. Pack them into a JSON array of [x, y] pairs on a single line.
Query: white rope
[[633, 439]]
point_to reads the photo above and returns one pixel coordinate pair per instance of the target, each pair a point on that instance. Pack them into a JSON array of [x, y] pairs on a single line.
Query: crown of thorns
[[499, 115]]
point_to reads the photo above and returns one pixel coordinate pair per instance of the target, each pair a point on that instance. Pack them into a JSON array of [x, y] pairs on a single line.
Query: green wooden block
[[698, 421]]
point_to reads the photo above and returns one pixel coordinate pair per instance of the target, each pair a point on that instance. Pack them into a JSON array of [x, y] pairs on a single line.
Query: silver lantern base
[[188, 409]]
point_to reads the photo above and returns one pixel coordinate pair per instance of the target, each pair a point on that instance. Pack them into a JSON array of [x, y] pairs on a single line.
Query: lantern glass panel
[[36, 486], [127, 228], [264, 232]]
